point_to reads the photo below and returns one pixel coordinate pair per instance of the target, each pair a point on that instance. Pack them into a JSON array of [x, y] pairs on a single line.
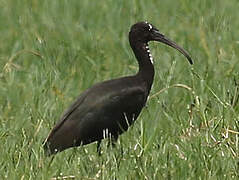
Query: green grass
[[51, 51]]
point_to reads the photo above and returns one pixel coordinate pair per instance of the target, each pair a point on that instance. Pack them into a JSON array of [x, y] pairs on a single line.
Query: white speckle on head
[[150, 26]]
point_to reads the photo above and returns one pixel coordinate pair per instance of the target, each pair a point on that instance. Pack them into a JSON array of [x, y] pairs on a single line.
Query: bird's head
[[143, 32]]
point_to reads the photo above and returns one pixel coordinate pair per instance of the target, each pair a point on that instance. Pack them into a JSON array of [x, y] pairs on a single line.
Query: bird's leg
[[99, 148]]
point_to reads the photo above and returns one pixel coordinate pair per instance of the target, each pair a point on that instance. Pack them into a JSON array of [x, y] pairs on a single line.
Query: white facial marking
[[150, 26]]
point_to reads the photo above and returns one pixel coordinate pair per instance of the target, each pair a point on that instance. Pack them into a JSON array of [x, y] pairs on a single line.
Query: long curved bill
[[157, 36]]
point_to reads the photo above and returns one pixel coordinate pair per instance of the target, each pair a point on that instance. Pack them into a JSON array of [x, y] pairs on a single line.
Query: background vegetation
[[51, 51]]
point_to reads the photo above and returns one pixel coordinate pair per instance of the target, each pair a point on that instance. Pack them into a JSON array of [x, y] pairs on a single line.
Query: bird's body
[[107, 109], [104, 101]]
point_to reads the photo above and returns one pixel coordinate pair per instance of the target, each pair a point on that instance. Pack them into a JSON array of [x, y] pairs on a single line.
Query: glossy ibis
[[107, 109]]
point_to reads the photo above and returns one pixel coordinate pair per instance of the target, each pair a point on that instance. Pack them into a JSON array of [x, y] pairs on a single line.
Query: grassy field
[[51, 51]]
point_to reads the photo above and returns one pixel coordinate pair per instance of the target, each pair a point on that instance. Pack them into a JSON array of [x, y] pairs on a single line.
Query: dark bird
[[107, 109]]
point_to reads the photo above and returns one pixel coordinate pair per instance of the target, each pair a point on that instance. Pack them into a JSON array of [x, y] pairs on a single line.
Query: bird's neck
[[145, 61]]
